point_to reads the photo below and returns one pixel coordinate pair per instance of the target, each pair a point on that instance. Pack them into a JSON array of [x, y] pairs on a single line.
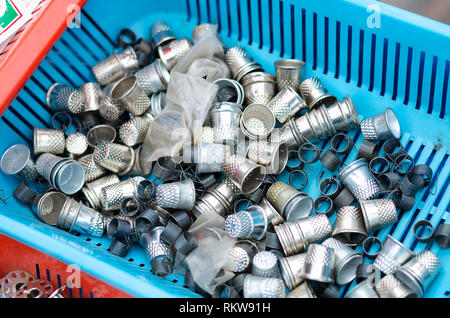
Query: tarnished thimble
[[93, 94], [292, 269], [246, 174], [240, 256], [134, 131], [251, 223], [61, 97], [257, 121], [319, 264], [359, 180], [101, 133], [92, 170], [17, 161], [93, 190], [419, 272], [114, 157], [112, 195], [176, 195], [382, 126], [265, 264], [292, 204], [295, 236], [158, 102], [110, 109], [346, 260], [271, 155], [225, 118], [49, 141], [272, 214], [116, 66], [130, 94], [391, 287], [159, 252], [286, 104], [302, 291], [392, 255], [240, 63], [259, 88], [199, 32], [153, 78], [48, 206], [349, 227], [161, 33], [209, 157], [171, 53], [364, 289], [289, 74], [378, 213], [315, 94], [76, 145], [229, 91], [262, 287]]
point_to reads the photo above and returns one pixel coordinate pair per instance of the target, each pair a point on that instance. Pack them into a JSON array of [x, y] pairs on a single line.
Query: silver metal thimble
[[349, 227], [289, 74], [92, 170], [246, 174], [49, 141], [392, 255], [257, 121], [240, 256], [45, 164], [225, 118], [101, 133], [110, 109], [292, 204], [161, 33], [153, 78], [251, 223], [158, 102], [76, 145], [286, 104], [92, 191], [295, 236], [17, 161], [176, 195], [134, 131], [259, 88], [116, 66], [265, 264], [292, 269], [172, 53], [209, 157], [272, 215], [346, 260], [360, 181], [382, 126], [229, 91], [48, 206], [112, 196], [391, 287], [271, 155], [262, 287], [206, 135], [130, 94], [419, 272], [61, 97], [114, 157], [240, 63], [93, 95], [378, 213], [154, 246], [302, 291], [315, 94], [319, 264], [364, 289]]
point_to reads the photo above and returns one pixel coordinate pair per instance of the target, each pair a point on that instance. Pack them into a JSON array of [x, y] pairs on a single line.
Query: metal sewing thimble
[[112, 196], [161, 33], [17, 161], [378, 213], [153, 245], [349, 227], [209, 157], [295, 236], [265, 264], [76, 145], [359, 180], [286, 104], [346, 260], [130, 94], [259, 88], [176, 195], [319, 264], [263, 287], [101, 133], [292, 204], [392, 255], [49, 141], [45, 164], [48, 206], [391, 287], [246, 174], [257, 121], [292, 269], [172, 53], [92, 191], [419, 272], [382, 126], [364, 289], [272, 214], [92, 170], [315, 94], [153, 78], [116, 66], [251, 223], [240, 256], [134, 131], [114, 157], [289, 74], [229, 91], [271, 155], [240, 63], [225, 118], [93, 94], [302, 291], [158, 102], [61, 97], [206, 135], [110, 109]]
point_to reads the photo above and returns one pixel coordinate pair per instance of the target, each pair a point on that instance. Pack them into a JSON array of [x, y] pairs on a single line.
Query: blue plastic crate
[[404, 64]]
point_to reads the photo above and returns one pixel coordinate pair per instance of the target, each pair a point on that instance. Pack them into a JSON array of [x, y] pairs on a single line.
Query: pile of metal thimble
[[21, 284], [285, 245]]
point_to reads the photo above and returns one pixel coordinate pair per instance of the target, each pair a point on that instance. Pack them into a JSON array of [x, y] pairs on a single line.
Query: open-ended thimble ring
[[329, 187], [421, 227], [65, 120], [367, 245], [307, 148], [298, 174], [324, 205], [342, 144], [379, 165]]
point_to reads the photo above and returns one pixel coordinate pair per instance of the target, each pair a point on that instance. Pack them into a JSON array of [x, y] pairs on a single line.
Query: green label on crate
[[8, 14]]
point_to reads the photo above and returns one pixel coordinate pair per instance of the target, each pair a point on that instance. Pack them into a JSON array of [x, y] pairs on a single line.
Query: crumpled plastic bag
[[209, 69]]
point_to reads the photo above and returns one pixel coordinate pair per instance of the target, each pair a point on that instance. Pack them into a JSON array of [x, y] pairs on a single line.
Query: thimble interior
[[15, 159], [50, 206], [253, 180], [123, 87], [101, 133], [258, 120], [392, 123]]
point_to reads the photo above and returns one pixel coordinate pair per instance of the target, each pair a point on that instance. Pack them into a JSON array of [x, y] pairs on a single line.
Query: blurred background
[[435, 9]]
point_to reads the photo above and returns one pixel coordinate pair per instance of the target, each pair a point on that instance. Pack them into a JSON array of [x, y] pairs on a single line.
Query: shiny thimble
[[257, 121], [61, 97], [114, 157], [392, 255], [49, 141], [346, 260], [92, 191], [292, 269], [272, 214], [176, 195], [153, 78], [315, 94], [48, 206], [378, 213], [161, 33], [134, 131], [319, 264], [349, 227], [45, 164], [229, 91], [128, 93], [240, 256], [101, 133], [271, 155], [172, 53], [289, 74], [295, 236], [93, 94], [292, 204], [199, 32], [112, 196], [382, 126], [265, 264], [391, 287], [302, 291], [110, 109], [246, 174], [286, 104], [359, 180], [251, 223], [66, 175], [158, 102], [17, 161], [209, 157], [259, 88], [419, 272], [206, 135], [225, 119], [92, 170], [160, 253], [76, 145], [116, 66], [263, 287], [240, 63], [364, 289]]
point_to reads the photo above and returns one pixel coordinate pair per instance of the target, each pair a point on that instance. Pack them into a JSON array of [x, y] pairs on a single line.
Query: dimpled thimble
[[49, 141], [112, 196], [292, 269], [130, 94], [161, 33], [273, 156], [251, 223], [176, 195], [359, 180], [225, 118], [289, 73], [240, 256], [246, 174], [114, 157], [378, 213], [257, 121], [265, 264], [240, 63], [153, 78], [93, 94], [110, 109], [349, 227], [92, 170], [259, 88], [172, 53], [319, 264], [134, 131], [286, 104], [315, 94], [76, 145], [382, 126], [61, 97], [392, 255], [263, 287], [92, 191], [17, 161], [391, 287]]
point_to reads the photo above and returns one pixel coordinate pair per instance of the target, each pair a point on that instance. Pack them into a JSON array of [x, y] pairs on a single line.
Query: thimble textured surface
[[161, 32], [113, 157], [69, 99], [96, 225], [49, 141], [240, 63], [134, 131], [368, 129], [281, 105], [265, 264], [391, 287], [233, 167], [262, 287], [388, 261], [111, 196], [153, 78], [76, 144], [238, 260], [350, 225], [321, 229], [158, 248], [239, 225], [256, 126], [92, 170], [110, 110], [309, 85], [41, 161], [178, 49], [168, 196], [386, 210], [207, 135]]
